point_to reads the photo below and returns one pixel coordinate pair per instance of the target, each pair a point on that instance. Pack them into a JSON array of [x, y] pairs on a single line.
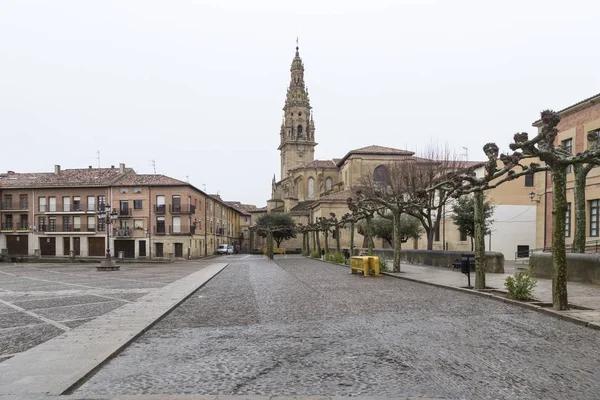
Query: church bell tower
[[297, 135]]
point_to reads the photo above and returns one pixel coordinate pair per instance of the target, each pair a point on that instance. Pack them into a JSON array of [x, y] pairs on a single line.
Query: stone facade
[[156, 217]]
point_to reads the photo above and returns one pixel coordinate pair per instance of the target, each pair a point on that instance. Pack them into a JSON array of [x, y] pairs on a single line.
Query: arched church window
[[299, 130], [328, 183], [311, 188], [381, 174]]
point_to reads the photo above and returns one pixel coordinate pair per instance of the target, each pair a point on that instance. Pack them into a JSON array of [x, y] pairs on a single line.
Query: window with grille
[[594, 211]]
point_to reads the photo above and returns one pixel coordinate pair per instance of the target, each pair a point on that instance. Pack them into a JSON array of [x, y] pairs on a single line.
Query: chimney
[[10, 172], [57, 169], [112, 166], [122, 168], [89, 166]]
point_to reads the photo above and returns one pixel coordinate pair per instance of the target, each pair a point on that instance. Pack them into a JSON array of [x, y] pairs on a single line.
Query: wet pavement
[[302, 327], [41, 301]]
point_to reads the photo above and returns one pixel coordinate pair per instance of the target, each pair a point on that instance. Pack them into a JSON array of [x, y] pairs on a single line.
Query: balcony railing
[[14, 205], [67, 228], [122, 232], [160, 209], [182, 208], [160, 230], [65, 208], [23, 226], [182, 230], [7, 226], [124, 213]]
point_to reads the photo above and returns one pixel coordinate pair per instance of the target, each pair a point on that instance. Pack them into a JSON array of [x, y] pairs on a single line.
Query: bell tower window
[[299, 130]]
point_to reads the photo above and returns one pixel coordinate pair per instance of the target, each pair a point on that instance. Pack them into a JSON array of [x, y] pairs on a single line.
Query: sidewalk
[[580, 294]]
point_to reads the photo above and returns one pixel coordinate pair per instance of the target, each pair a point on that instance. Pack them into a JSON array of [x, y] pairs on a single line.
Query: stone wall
[[580, 267], [438, 258]]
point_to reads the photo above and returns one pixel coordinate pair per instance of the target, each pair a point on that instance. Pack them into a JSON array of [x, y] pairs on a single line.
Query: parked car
[[225, 249]]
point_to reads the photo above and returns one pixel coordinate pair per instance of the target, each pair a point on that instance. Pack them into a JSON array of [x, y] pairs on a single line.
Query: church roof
[[343, 195], [319, 164], [302, 206], [375, 150]]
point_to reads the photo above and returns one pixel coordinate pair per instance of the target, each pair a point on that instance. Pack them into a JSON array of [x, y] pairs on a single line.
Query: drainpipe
[[205, 229], [149, 222], [545, 208]]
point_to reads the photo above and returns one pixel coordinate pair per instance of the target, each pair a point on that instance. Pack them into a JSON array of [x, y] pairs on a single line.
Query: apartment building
[[152, 216], [576, 122]]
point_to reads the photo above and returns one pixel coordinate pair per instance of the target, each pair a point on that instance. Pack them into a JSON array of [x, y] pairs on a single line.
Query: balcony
[[160, 209], [182, 209], [23, 226], [182, 230], [122, 232], [22, 205], [65, 208], [160, 230], [68, 228], [125, 213], [220, 231], [7, 226]]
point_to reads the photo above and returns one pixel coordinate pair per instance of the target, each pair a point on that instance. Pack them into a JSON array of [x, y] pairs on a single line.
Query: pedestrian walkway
[[61, 363], [580, 294]]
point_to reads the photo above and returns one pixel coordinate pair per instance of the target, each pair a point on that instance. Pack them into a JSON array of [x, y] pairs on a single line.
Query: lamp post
[[109, 217]]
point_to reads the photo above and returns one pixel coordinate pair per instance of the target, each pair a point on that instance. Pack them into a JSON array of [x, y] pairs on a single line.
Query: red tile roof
[[85, 177], [318, 164], [149, 180]]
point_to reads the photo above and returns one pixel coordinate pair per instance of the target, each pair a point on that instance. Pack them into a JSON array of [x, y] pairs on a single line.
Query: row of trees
[[422, 187]]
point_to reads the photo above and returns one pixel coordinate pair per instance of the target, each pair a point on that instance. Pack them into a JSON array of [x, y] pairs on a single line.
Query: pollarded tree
[[383, 228], [275, 227], [558, 159], [463, 216]]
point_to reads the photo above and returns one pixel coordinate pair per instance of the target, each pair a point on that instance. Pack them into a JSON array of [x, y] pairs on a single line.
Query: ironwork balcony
[[60, 228], [122, 232], [160, 209], [7, 226], [124, 213], [74, 208], [23, 226], [182, 230], [14, 205], [160, 230], [182, 209]]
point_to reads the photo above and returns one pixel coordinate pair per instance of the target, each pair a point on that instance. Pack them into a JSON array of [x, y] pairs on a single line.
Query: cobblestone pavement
[[302, 327], [41, 301]]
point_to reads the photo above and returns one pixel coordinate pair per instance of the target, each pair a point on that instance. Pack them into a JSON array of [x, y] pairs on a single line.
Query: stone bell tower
[[297, 135]]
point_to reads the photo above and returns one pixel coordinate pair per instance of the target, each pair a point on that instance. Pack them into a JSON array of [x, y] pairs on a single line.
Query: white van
[[225, 249]]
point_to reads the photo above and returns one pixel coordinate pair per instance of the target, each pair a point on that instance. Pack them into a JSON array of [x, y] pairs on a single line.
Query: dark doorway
[[17, 245], [77, 246], [159, 250], [178, 249], [142, 248], [126, 246], [48, 246], [522, 251], [96, 247], [66, 246]]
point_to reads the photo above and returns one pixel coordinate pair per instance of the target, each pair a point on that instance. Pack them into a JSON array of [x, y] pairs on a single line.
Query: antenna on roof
[[154, 165], [204, 186], [187, 178], [98, 158], [466, 153]]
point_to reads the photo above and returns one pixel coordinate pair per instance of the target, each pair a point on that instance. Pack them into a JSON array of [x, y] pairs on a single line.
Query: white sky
[[198, 86]]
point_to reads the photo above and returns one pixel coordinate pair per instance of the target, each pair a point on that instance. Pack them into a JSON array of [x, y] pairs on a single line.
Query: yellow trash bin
[[359, 264], [374, 265]]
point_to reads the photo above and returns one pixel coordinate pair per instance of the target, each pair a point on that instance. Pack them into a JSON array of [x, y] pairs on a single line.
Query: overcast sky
[[198, 86]]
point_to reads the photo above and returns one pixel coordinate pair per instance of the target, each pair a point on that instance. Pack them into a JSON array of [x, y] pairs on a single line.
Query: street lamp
[[109, 217]]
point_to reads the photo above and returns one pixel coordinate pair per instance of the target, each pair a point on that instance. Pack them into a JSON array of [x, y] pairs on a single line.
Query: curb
[[533, 307]]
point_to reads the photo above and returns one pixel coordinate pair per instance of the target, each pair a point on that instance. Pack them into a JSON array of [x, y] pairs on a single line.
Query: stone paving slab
[[580, 294], [60, 363]]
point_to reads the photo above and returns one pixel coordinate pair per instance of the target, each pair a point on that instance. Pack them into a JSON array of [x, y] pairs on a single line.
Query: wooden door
[[178, 249], [96, 247], [66, 246], [17, 245], [77, 246], [48, 246], [142, 248]]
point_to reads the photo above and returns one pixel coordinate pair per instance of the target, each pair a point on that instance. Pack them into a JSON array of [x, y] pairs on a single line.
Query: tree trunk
[[579, 194], [314, 239], [338, 246], [351, 238], [397, 241], [270, 245], [308, 243], [429, 232], [559, 255], [471, 243], [327, 242], [278, 241], [479, 241], [369, 233], [318, 243]]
